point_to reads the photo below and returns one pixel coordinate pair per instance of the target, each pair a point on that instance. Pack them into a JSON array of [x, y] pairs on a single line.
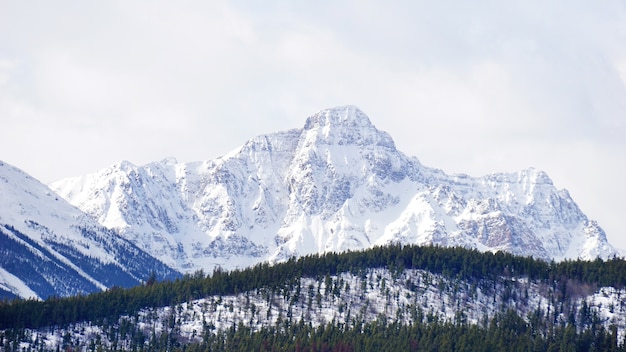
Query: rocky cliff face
[[336, 184]]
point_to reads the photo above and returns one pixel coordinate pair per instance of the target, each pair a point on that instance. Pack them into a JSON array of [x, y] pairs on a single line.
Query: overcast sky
[[471, 87]]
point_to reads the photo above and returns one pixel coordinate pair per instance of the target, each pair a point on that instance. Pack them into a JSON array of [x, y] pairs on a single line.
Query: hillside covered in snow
[[50, 248], [433, 296]]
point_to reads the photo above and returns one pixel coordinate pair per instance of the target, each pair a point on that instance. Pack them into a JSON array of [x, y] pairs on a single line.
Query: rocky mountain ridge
[[336, 184]]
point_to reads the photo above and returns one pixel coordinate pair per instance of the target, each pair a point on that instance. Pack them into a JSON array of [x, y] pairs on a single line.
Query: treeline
[[459, 263], [506, 331]]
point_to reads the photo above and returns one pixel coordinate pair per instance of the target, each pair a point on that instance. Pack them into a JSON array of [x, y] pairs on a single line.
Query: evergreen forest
[[292, 295]]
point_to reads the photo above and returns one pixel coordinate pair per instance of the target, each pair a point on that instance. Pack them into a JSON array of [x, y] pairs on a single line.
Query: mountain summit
[[345, 125], [336, 184]]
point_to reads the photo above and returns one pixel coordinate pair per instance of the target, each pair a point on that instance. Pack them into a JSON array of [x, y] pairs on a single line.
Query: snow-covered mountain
[[49, 247], [336, 184]]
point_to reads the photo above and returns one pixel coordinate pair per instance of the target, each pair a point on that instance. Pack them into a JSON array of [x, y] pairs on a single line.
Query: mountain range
[[336, 184]]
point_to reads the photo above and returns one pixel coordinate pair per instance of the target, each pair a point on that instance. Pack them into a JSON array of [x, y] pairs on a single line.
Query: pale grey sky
[[468, 87]]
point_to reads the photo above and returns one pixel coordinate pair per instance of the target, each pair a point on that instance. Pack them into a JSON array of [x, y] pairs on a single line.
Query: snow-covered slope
[[336, 184], [350, 300], [49, 247]]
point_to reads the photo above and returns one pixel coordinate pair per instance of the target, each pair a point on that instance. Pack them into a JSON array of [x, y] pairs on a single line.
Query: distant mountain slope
[[336, 184], [49, 247]]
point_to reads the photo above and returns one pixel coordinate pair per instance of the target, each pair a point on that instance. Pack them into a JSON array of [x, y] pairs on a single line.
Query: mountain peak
[[124, 166], [345, 125], [345, 116]]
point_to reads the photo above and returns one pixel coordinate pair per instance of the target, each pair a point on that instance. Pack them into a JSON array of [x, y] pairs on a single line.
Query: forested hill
[[388, 291]]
